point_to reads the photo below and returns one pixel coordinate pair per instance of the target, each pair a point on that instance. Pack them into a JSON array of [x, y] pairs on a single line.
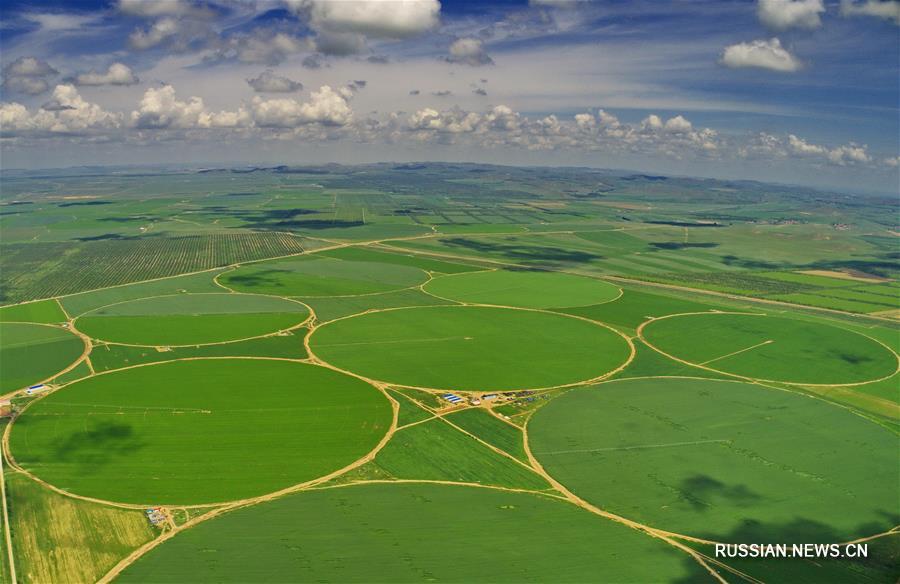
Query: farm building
[[156, 515], [36, 389]]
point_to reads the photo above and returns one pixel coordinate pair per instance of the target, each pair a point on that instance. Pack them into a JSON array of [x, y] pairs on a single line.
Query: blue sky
[[796, 91]]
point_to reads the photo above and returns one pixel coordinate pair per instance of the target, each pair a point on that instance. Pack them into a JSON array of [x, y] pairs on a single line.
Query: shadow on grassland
[[699, 489], [84, 204], [530, 253], [96, 446], [131, 219], [279, 219], [881, 565], [675, 245], [884, 265], [266, 278]]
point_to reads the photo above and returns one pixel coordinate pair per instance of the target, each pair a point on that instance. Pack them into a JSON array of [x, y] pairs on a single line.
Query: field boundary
[[7, 529], [589, 381], [643, 325]]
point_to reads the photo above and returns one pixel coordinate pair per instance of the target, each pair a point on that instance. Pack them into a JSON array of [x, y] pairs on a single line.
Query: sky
[[792, 91]]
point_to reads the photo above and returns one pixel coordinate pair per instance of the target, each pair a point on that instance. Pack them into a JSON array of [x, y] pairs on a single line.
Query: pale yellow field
[[62, 539]]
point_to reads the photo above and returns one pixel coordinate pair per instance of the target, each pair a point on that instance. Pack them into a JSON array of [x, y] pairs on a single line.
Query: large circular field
[[470, 348], [726, 461], [31, 353], [322, 277], [191, 319], [529, 289], [199, 431], [772, 348], [413, 533]]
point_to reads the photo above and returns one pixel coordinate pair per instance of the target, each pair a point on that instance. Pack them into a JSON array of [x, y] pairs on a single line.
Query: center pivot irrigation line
[[770, 341], [637, 447]]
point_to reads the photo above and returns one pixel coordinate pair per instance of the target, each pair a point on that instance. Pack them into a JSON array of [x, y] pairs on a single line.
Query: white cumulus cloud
[[762, 54], [70, 114], [326, 106], [116, 74], [678, 125], [886, 9], [394, 19], [159, 108], [848, 154], [160, 31], [785, 14], [154, 8], [469, 51]]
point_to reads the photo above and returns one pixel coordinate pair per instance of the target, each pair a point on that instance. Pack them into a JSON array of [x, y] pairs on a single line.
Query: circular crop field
[[191, 319], [322, 277], [726, 461], [199, 431], [413, 533], [528, 289], [470, 348], [31, 353], [772, 348]]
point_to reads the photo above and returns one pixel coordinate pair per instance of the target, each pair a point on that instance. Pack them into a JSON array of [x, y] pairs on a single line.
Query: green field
[[772, 348], [492, 430], [500, 348], [408, 410], [199, 431], [191, 319], [434, 450], [525, 289], [31, 353], [284, 346], [322, 277], [659, 344], [339, 306], [367, 254], [410, 533], [44, 311], [726, 461], [636, 306]]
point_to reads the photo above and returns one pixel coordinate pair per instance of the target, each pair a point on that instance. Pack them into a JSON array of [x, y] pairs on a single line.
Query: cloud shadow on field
[[96, 446], [885, 265], [280, 219], [84, 204], [675, 245], [106, 237], [881, 565], [264, 278], [131, 219], [703, 489], [852, 358], [532, 253]]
